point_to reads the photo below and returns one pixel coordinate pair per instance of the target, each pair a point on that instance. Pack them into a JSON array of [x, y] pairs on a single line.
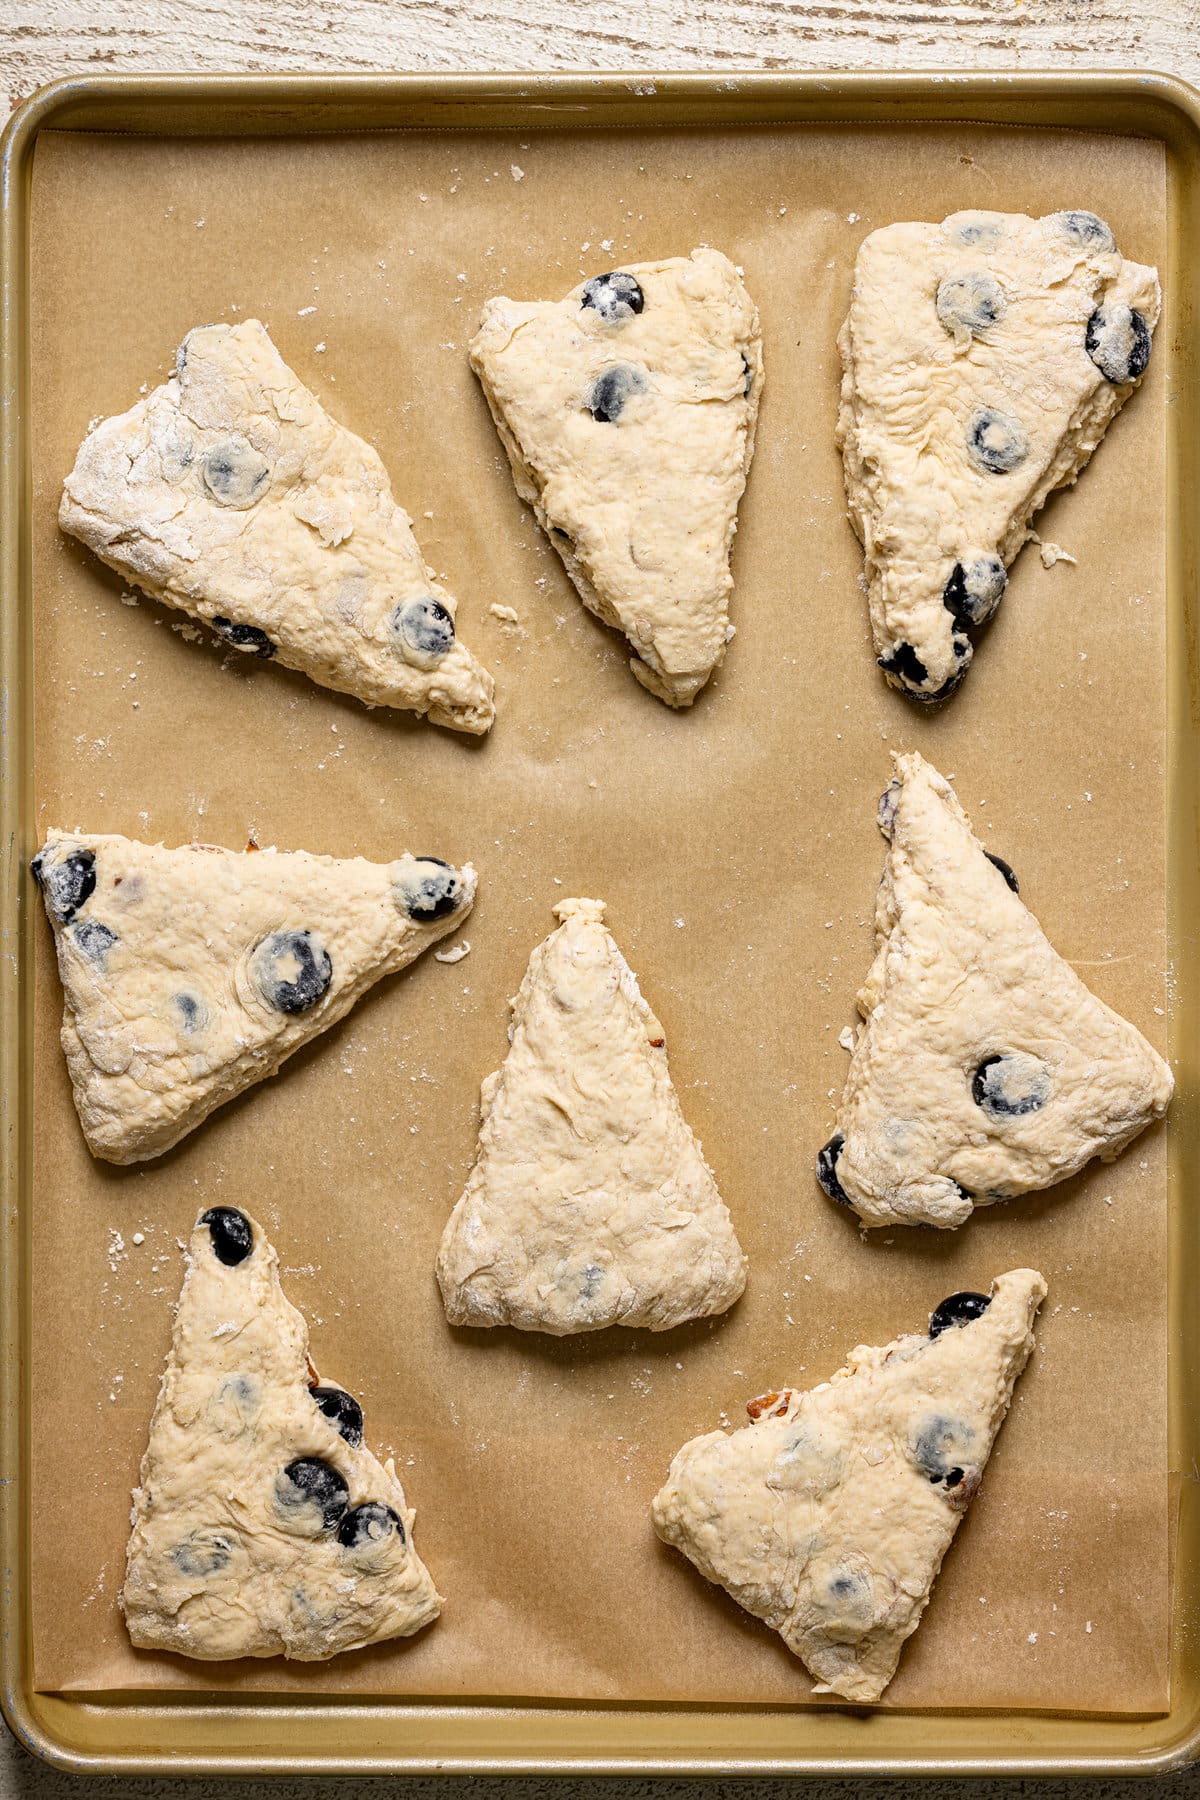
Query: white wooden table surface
[[43, 39]]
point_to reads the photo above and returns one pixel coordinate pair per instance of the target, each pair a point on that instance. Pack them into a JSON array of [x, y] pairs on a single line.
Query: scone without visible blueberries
[[229, 492], [984, 1067], [829, 1516], [262, 1525], [190, 974], [628, 413], [983, 360], [590, 1203]]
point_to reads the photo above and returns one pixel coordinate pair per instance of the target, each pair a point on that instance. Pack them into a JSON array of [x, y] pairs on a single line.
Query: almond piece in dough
[[190, 974], [262, 1525], [985, 1068], [590, 1202], [628, 413], [829, 1516]]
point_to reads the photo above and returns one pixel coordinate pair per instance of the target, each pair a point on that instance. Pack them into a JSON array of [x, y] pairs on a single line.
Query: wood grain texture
[[42, 39]]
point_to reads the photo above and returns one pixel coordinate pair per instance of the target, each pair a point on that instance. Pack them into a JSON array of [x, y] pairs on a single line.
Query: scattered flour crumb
[[139, 1237], [1032, 1638], [518, 173], [319, 347], [305, 311], [508, 615], [846, 1037], [455, 955], [852, 218]]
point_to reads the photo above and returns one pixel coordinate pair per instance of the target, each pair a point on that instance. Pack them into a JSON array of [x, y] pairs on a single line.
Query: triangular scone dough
[[984, 1067], [830, 1515], [262, 1526], [983, 359], [628, 413], [190, 974], [230, 493], [590, 1202]]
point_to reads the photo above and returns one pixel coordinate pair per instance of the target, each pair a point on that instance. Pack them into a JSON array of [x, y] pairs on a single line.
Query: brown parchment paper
[[735, 845]]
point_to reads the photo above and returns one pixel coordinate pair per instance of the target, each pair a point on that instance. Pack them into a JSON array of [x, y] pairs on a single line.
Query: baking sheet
[[749, 820]]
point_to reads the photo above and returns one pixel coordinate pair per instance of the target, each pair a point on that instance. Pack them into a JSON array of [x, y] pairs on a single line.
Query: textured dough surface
[[1015, 296], [590, 1203], [230, 493], [642, 507], [930, 1125], [228, 1557], [830, 1515], [167, 987]]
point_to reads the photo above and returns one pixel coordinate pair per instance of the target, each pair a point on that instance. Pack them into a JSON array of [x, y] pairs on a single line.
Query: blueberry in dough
[[235, 474], [1118, 341], [369, 1523], [193, 1014], [941, 1446], [958, 1309], [1010, 1085], [1085, 230], [974, 590], [424, 630], [66, 885], [431, 890], [827, 1169], [1005, 869], [977, 231], [231, 1234], [243, 637], [615, 296], [292, 970], [748, 379], [970, 302], [996, 442], [609, 393], [904, 662], [342, 1410], [310, 1482], [94, 938], [202, 1554]]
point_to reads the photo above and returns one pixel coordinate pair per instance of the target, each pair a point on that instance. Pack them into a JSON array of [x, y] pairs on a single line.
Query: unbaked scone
[[628, 413], [590, 1202], [983, 359], [829, 1516], [230, 493], [262, 1525], [984, 1067], [190, 974]]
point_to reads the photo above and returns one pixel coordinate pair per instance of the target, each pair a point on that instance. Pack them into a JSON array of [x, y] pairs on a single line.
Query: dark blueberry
[[975, 590], [193, 1014], [1118, 342], [748, 380], [431, 889], [310, 1482], [938, 1444], [292, 970], [931, 697], [970, 302], [1011, 1085], [958, 1309], [342, 1410], [231, 1233], [960, 645], [1005, 869], [370, 1523], [827, 1170], [904, 662], [202, 1554], [1085, 230], [243, 637], [615, 296], [94, 939], [609, 393], [65, 885], [235, 474], [996, 442], [425, 630], [888, 801]]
